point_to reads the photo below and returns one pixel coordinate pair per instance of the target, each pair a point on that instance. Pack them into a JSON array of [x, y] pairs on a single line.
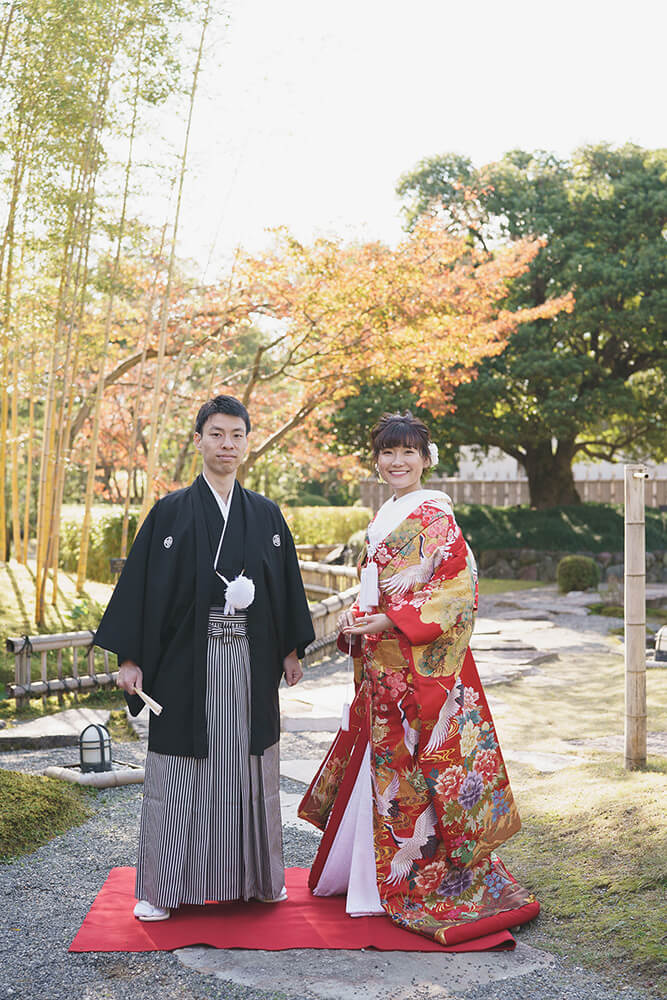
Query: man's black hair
[[222, 404]]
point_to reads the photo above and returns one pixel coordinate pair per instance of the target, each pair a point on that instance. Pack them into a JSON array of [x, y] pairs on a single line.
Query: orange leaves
[[290, 329], [429, 309]]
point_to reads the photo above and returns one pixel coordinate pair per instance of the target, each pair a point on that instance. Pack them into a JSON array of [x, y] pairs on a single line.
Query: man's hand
[[130, 676], [292, 668], [368, 625]]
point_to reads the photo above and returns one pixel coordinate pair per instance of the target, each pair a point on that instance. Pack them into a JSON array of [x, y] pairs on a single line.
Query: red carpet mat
[[304, 921]]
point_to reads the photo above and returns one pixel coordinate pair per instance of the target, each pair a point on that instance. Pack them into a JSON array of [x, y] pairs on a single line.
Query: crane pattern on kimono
[[399, 584], [410, 849], [386, 802], [410, 735], [453, 702]]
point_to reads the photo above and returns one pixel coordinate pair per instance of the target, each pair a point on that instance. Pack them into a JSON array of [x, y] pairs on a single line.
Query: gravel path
[[44, 898]]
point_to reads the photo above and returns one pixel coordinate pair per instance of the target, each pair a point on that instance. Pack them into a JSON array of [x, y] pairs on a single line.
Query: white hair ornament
[[433, 452]]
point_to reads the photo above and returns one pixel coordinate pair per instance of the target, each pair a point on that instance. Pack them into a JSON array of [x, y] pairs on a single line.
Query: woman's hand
[[130, 676], [346, 619], [368, 625]]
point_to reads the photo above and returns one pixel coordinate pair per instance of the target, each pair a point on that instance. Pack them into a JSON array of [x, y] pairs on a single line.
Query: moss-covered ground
[[593, 846], [35, 809]]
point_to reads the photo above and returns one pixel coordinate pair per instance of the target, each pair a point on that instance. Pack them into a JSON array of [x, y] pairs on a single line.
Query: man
[[207, 616]]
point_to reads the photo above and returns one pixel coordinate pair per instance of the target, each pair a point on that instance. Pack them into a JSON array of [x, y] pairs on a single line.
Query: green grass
[[592, 848], [586, 527], [487, 585], [658, 615], [35, 809], [593, 845], [70, 613]]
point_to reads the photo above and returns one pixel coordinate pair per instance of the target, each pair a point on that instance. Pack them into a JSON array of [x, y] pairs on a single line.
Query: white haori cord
[[240, 592]]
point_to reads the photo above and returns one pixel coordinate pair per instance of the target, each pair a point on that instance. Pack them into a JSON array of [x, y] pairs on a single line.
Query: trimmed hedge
[[586, 527], [309, 525], [325, 525]]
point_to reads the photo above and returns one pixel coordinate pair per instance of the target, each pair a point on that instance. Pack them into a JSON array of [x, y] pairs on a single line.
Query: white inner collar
[[224, 507]]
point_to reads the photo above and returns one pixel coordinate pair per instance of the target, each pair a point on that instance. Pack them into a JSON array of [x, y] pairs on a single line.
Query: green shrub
[[584, 527], [104, 540], [306, 500], [577, 573], [325, 525]]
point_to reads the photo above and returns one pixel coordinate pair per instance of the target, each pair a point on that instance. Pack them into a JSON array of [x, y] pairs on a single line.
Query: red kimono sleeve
[[426, 613]]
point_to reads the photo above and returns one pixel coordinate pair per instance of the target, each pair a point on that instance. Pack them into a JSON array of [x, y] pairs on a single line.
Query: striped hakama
[[211, 827]]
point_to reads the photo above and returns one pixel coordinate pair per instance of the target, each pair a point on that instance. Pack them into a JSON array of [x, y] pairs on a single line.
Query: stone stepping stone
[[59, 730]]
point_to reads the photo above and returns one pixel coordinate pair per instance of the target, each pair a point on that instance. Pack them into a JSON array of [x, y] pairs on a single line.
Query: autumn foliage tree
[[288, 333]]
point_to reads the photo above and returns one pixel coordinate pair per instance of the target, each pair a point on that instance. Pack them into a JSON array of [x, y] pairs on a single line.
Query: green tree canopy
[[590, 382]]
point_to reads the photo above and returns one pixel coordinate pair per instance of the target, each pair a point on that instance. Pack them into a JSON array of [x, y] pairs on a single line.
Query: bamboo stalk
[[28, 473], [92, 460], [635, 618], [152, 448], [132, 462]]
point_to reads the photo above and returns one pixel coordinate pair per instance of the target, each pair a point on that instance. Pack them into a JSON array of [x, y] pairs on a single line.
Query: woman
[[413, 796]]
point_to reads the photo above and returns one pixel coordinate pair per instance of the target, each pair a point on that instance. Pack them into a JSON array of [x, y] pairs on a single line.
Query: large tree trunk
[[549, 472]]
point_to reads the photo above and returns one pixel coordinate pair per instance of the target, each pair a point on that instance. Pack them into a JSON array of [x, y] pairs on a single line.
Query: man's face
[[222, 443]]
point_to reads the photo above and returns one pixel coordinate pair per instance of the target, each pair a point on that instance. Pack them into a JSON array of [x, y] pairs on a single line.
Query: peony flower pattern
[[487, 764], [469, 735], [449, 782], [470, 699], [456, 883], [471, 790]]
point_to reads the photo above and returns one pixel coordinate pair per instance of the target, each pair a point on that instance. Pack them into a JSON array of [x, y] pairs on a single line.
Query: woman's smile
[[402, 468]]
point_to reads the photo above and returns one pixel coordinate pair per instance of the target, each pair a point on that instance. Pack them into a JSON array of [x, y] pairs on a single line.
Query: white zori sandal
[[280, 898], [146, 911]]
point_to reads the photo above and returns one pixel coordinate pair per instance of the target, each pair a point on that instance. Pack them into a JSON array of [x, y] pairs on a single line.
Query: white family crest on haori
[[168, 542], [276, 541]]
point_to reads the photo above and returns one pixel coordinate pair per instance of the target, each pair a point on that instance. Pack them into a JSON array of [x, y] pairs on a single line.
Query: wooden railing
[[52, 677], [325, 615], [324, 579], [332, 581]]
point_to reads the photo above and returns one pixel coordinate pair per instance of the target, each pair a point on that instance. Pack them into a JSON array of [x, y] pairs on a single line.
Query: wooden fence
[[511, 492], [89, 665], [52, 677]]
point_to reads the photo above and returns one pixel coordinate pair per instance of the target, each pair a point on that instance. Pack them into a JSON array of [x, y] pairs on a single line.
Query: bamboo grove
[[108, 344]]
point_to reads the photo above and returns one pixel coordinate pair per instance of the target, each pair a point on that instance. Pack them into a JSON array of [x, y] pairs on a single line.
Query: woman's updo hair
[[400, 430]]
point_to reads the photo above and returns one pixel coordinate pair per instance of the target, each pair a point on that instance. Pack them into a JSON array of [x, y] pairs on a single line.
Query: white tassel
[[239, 595], [369, 590], [349, 690]]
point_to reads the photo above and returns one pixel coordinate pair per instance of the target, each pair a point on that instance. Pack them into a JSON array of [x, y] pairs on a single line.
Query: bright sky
[[309, 111]]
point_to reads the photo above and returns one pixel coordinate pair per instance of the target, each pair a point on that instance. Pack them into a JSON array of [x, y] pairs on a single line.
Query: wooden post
[[635, 618]]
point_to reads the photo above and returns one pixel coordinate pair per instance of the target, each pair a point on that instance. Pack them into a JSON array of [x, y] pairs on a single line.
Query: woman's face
[[402, 467]]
